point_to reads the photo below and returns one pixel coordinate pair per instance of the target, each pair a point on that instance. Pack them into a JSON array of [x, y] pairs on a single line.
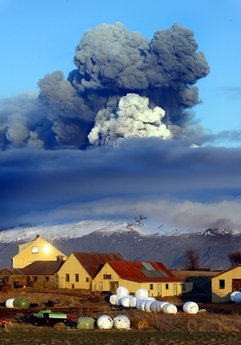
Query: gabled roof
[[11, 271], [143, 271], [225, 271], [92, 262], [23, 246], [42, 268]]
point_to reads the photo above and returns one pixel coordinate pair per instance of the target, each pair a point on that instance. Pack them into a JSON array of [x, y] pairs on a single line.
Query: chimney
[[60, 258]]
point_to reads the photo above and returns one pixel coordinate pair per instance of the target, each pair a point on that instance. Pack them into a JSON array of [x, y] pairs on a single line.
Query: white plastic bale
[[169, 308], [232, 295], [141, 293], [139, 302], [237, 298], [125, 301], [160, 305], [142, 305], [112, 299], [104, 322], [118, 300], [122, 291], [148, 305], [9, 303], [122, 322], [153, 306], [133, 302], [190, 307]]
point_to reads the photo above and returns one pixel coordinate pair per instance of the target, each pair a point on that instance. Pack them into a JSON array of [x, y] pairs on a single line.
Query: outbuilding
[[152, 276], [224, 283]]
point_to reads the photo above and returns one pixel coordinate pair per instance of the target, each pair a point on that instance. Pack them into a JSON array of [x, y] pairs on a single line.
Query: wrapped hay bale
[[237, 298], [9, 303], [235, 295], [140, 303], [148, 304], [21, 303], [122, 291], [121, 322], [161, 305], [133, 301], [169, 308], [157, 306], [190, 307], [141, 293], [118, 300], [125, 301], [85, 322], [112, 299], [153, 306], [104, 322]]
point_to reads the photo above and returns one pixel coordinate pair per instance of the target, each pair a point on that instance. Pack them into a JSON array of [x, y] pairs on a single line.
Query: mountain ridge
[[131, 239]]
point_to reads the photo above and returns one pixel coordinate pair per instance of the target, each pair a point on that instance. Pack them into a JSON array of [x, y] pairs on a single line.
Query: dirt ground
[[214, 324]]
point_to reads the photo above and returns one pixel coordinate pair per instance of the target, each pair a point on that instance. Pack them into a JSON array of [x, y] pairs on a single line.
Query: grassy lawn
[[48, 336]]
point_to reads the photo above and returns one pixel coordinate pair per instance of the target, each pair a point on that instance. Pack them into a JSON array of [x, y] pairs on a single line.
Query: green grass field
[[49, 336]]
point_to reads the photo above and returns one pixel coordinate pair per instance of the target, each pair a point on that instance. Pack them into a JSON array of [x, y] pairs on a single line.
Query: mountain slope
[[130, 240]]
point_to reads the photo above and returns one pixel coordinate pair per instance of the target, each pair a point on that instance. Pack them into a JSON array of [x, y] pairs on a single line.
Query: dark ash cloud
[[55, 161], [111, 62], [139, 171]]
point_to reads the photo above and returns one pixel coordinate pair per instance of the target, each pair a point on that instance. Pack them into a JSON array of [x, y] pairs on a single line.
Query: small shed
[[12, 278], [224, 283]]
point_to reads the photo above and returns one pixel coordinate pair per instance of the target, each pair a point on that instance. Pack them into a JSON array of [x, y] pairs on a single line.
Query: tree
[[191, 260]]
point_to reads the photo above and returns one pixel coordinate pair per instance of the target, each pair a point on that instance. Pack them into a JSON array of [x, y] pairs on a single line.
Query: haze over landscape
[[142, 118]]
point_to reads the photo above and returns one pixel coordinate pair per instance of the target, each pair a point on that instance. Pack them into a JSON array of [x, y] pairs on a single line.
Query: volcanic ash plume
[[133, 117], [118, 88], [112, 61]]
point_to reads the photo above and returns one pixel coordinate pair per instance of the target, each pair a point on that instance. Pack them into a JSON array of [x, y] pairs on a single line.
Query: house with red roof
[[80, 269], [152, 276]]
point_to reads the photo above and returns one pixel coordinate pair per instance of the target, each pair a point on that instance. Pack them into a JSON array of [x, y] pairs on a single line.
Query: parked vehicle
[[47, 317]]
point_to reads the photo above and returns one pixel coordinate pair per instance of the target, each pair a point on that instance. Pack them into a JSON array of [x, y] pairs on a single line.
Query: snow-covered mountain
[[141, 224], [136, 240], [66, 231]]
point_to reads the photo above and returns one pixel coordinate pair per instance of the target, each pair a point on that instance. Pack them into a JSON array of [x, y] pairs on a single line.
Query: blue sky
[[46, 172], [40, 36]]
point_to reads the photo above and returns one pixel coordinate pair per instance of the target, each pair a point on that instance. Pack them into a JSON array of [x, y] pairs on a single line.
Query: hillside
[[131, 240]]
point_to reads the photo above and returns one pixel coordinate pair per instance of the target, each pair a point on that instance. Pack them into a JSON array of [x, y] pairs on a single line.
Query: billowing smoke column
[[120, 87], [132, 118]]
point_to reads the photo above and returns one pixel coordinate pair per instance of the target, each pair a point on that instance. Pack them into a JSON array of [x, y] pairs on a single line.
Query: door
[[113, 286], [159, 289], [236, 285], [100, 286]]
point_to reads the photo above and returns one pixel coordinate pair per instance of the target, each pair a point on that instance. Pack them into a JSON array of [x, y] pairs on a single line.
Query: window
[[67, 277], [46, 279], [35, 250], [167, 286], [106, 276], [35, 279], [77, 277], [151, 286], [87, 280], [221, 284]]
